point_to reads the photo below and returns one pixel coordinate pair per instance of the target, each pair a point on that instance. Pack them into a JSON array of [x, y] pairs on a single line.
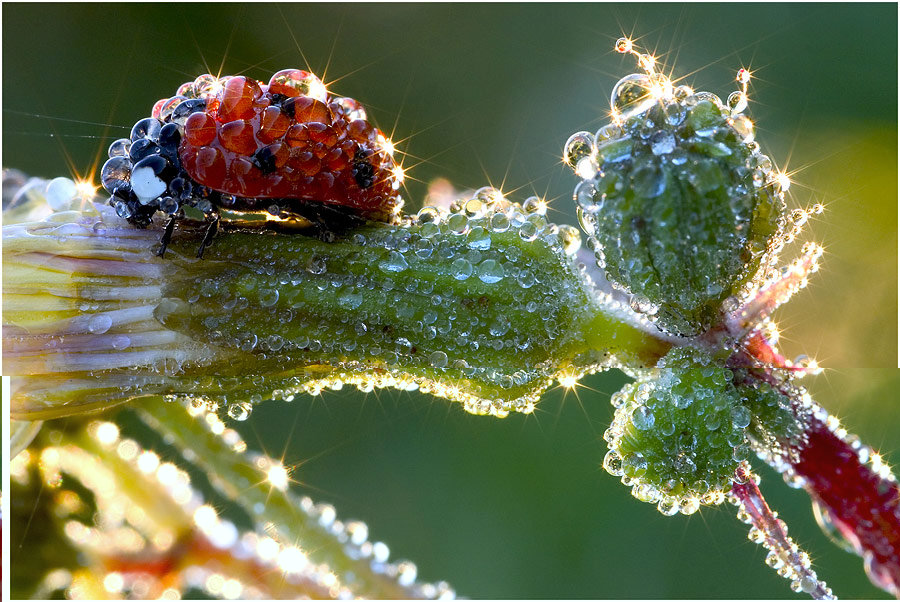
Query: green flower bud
[[683, 208], [678, 433]]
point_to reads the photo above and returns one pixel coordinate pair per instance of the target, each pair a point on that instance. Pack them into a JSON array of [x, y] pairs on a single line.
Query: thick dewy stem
[[483, 306], [857, 495]]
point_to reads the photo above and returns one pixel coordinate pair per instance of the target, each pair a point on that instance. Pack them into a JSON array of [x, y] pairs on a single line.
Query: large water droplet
[[740, 417], [587, 197], [121, 341], [737, 102], [490, 271], [461, 268], [239, 411], [744, 128], [351, 298], [394, 263], [612, 462], [438, 359], [268, 297], [99, 323], [632, 95], [578, 146], [479, 238], [60, 193], [458, 223], [643, 418], [675, 113]]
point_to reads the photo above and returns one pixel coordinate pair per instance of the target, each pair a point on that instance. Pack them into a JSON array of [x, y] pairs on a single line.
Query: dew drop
[[586, 168], [587, 197], [60, 193], [249, 341], [631, 95], [438, 359], [662, 142], [623, 45], [350, 299], [120, 342], [479, 239], [571, 239], [689, 505], [535, 205], [737, 102], [675, 113], [606, 133], [580, 145], [461, 268], [239, 411], [678, 156], [428, 215], [474, 208], [649, 181], [458, 223], [424, 248], [612, 462], [740, 416], [119, 148], [99, 323], [668, 506], [744, 128], [490, 271], [268, 297], [642, 418], [394, 263], [527, 231]]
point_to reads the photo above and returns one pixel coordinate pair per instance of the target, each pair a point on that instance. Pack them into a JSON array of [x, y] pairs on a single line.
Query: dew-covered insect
[[287, 149]]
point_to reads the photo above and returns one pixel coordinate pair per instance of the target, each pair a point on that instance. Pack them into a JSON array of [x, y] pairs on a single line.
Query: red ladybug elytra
[[287, 147]]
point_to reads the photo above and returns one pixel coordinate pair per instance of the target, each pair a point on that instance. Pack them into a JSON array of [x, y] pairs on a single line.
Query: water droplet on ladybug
[[146, 128]]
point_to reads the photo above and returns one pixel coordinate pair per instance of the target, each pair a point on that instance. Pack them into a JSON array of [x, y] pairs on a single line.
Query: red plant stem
[[863, 505], [774, 530]]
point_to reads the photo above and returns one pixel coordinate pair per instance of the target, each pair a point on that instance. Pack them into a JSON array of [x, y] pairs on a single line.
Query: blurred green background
[[488, 94]]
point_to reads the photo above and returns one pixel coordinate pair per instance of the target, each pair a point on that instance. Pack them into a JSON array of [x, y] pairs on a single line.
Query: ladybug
[[288, 149]]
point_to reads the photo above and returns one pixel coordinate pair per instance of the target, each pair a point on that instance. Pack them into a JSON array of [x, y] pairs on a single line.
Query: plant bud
[[683, 208], [678, 434]]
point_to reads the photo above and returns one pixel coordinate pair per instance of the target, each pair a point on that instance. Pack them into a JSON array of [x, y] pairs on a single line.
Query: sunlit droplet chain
[[771, 532]]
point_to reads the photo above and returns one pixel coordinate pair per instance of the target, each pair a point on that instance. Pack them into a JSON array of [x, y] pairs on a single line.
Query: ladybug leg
[[207, 238], [328, 221], [167, 236]]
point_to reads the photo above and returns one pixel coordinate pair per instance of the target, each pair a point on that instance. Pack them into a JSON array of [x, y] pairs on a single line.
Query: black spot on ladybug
[[264, 159], [287, 105], [363, 171]]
